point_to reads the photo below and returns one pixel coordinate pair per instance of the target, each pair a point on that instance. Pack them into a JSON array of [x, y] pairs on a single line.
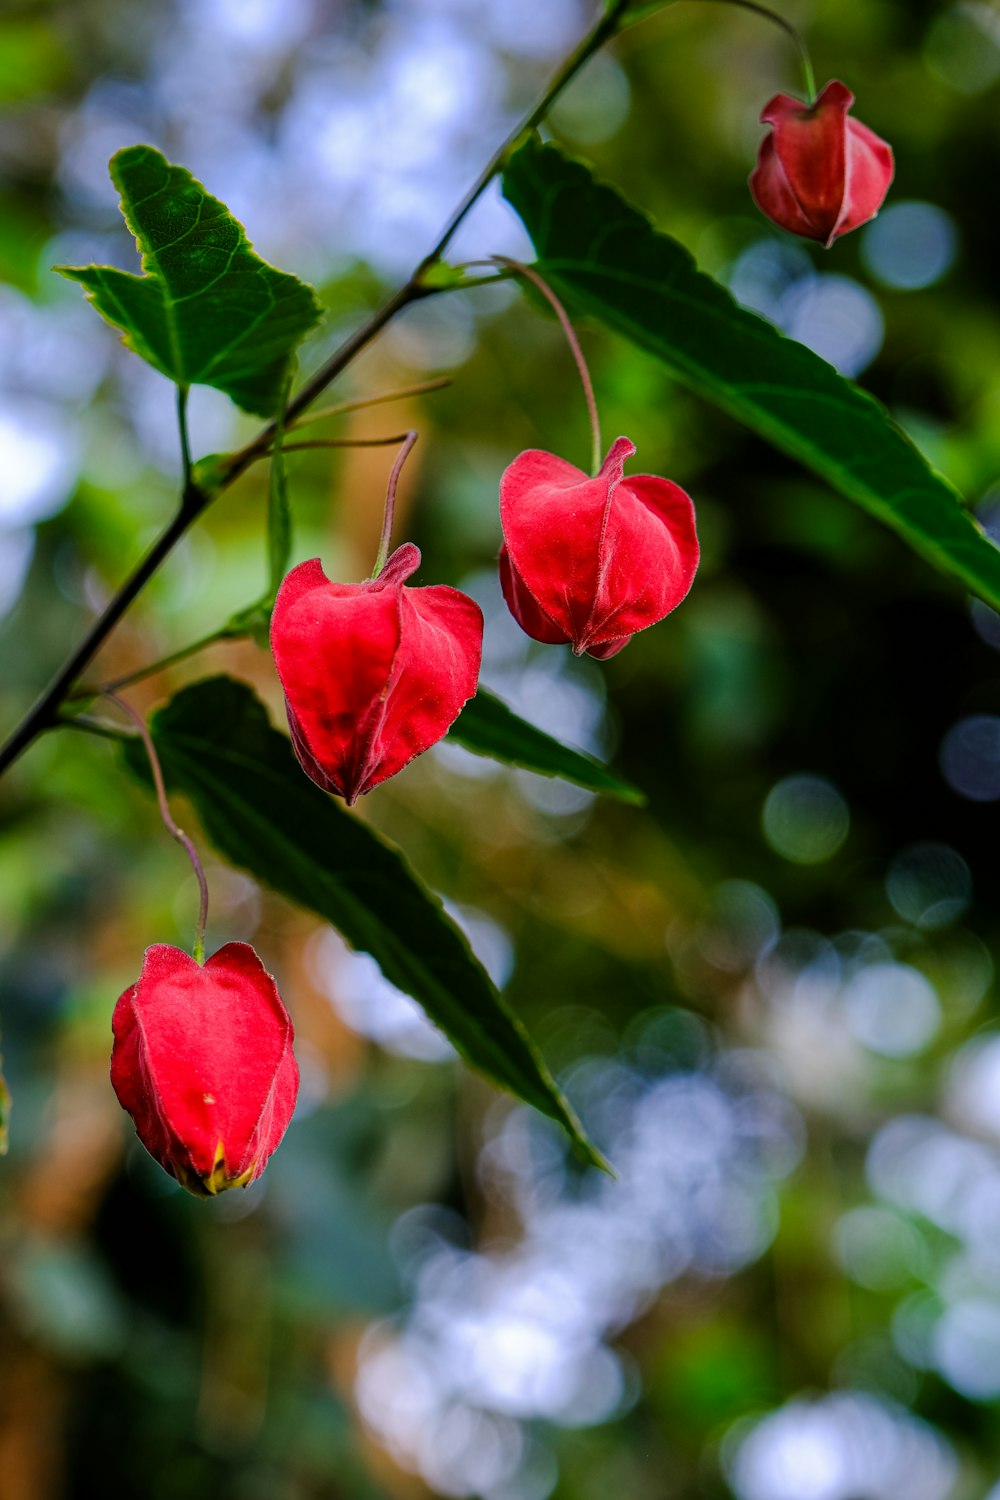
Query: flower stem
[[421, 388], [195, 497], [381, 442], [168, 822], [797, 38], [181, 654], [406, 447], [581, 364]]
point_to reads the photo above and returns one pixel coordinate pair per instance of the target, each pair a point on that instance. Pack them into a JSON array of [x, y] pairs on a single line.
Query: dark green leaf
[[262, 812], [489, 727], [604, 257], [207, 310]]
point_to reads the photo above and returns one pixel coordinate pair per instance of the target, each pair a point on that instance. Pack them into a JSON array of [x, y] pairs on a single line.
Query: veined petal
[[202, 1061], [374, 673]]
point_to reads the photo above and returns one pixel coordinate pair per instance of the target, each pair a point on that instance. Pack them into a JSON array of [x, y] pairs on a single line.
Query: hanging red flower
[[202, 1061], [588, 562], [374, 673], [819, 173]]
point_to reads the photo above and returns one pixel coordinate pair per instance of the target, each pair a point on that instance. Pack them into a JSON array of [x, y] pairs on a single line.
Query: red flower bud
[[590, 561], [374, 673], [202, 1061], [818, 173]]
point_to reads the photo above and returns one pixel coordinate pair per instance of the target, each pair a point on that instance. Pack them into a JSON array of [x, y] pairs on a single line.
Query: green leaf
[[605, 258], [207, 310], [263, 813], [34, 59], [488, 727]]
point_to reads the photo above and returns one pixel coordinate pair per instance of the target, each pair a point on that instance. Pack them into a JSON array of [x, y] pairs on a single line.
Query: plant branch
[[97, 727], [381, 442], [194, 501], [225, 633], [43, 714], [182, 402], [412, 291], [196, 498], [421, 388], [601, 32]]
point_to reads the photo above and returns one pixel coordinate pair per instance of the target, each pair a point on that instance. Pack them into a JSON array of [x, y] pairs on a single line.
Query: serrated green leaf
[[207, 310], [604, 257], [488, 727], [262, 812]]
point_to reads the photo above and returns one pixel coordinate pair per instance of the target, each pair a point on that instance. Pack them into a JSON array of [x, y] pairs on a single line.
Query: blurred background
[[771, 995]]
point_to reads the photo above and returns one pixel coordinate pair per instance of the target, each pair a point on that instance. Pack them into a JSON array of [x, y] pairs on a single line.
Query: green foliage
[[488, 727], [263, 814], [604, 257], [207, 310], [33, 59]]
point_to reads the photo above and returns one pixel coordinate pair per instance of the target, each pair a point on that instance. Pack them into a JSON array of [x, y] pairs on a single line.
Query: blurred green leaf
[[23, 232], [604, 256], [488, 727], [33, 59], [207, 310], [262, 812]]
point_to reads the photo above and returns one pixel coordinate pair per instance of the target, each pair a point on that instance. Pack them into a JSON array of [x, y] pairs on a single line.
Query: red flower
[[589, 562], [818, 173], [202, 1061], [374, 673]]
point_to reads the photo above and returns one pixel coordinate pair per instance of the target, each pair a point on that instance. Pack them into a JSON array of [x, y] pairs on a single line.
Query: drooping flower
[[588, 562], [374, 673], [202, 1061], [818, 173]]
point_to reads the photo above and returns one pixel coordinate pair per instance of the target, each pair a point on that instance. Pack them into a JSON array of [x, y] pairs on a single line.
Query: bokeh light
[[805, 819], [929, 885], [841, 1447], [970, 757], [910, 245]]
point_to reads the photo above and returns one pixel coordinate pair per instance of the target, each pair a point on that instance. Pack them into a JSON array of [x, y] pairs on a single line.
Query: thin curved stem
[[42, 715], [421, 388], [197, 497], [530, 274], [380, 442], [168, 822], [89, 725], [150, 670], [797, 38], [390, 502]]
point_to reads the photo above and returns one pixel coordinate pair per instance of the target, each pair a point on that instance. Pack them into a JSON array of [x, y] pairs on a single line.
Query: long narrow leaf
[[605, 257], [263, 814], [488, 727]]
